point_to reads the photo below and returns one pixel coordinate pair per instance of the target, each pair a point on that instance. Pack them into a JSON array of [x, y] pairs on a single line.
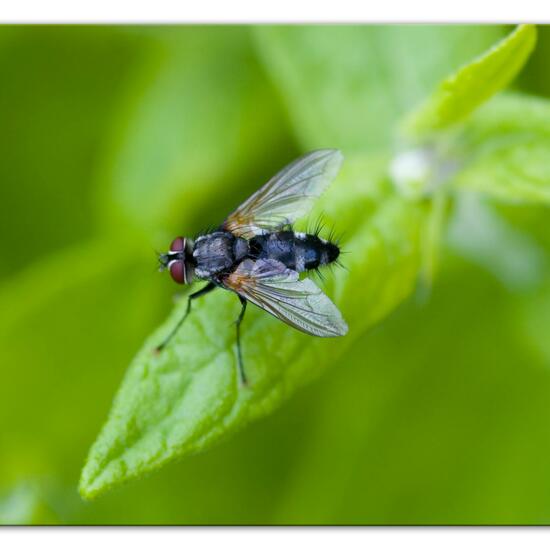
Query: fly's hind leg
[[239, 352], [201, 292]]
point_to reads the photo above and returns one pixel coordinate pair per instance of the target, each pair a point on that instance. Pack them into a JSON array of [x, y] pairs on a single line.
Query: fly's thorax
[[217, 252]]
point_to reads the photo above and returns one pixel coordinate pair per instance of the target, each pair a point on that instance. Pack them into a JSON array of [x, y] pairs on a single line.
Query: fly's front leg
[[239, 353], [201, 292]]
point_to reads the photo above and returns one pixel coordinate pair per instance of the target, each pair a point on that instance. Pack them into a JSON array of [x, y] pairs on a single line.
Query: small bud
[[417, 173]]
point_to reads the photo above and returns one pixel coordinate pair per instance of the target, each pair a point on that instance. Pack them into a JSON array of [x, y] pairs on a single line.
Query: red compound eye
[[177, 271], [178, 245]]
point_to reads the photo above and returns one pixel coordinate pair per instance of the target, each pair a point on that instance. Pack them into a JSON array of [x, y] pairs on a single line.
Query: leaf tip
[[99, 474], [461, 93], [527, 34], [88, 486], [85, 488]]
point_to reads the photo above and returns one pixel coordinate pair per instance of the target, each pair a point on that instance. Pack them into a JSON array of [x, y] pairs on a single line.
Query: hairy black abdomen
[[298, 251]]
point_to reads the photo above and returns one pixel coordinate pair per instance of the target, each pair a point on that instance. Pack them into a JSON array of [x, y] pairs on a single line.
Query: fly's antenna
[[161, 259]]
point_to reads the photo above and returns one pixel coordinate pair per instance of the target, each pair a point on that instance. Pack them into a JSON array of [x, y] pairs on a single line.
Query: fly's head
[[179, 260]]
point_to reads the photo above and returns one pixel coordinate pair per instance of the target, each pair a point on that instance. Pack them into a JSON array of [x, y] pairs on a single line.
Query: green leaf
[[481, 234], [463, 92], [348, 86], [505, 148], [198, 111], [431, 242], [182, 401], [440, 416], [68, 325], [528, 218], [532, 316]]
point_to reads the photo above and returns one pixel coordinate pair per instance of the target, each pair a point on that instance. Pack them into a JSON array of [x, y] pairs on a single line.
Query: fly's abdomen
[[298, 251], [312, 252]]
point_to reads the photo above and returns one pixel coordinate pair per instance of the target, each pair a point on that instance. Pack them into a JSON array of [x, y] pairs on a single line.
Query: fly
[[257, 255]]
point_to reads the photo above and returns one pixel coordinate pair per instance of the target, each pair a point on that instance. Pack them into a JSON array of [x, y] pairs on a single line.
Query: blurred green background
[[115, 139]]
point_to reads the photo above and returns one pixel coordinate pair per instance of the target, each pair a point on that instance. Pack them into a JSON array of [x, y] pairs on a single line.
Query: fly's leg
[[201, 292], [239, 353]]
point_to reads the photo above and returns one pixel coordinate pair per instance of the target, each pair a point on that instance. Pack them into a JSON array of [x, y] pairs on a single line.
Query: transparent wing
[[278, 290], [287, 196]]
